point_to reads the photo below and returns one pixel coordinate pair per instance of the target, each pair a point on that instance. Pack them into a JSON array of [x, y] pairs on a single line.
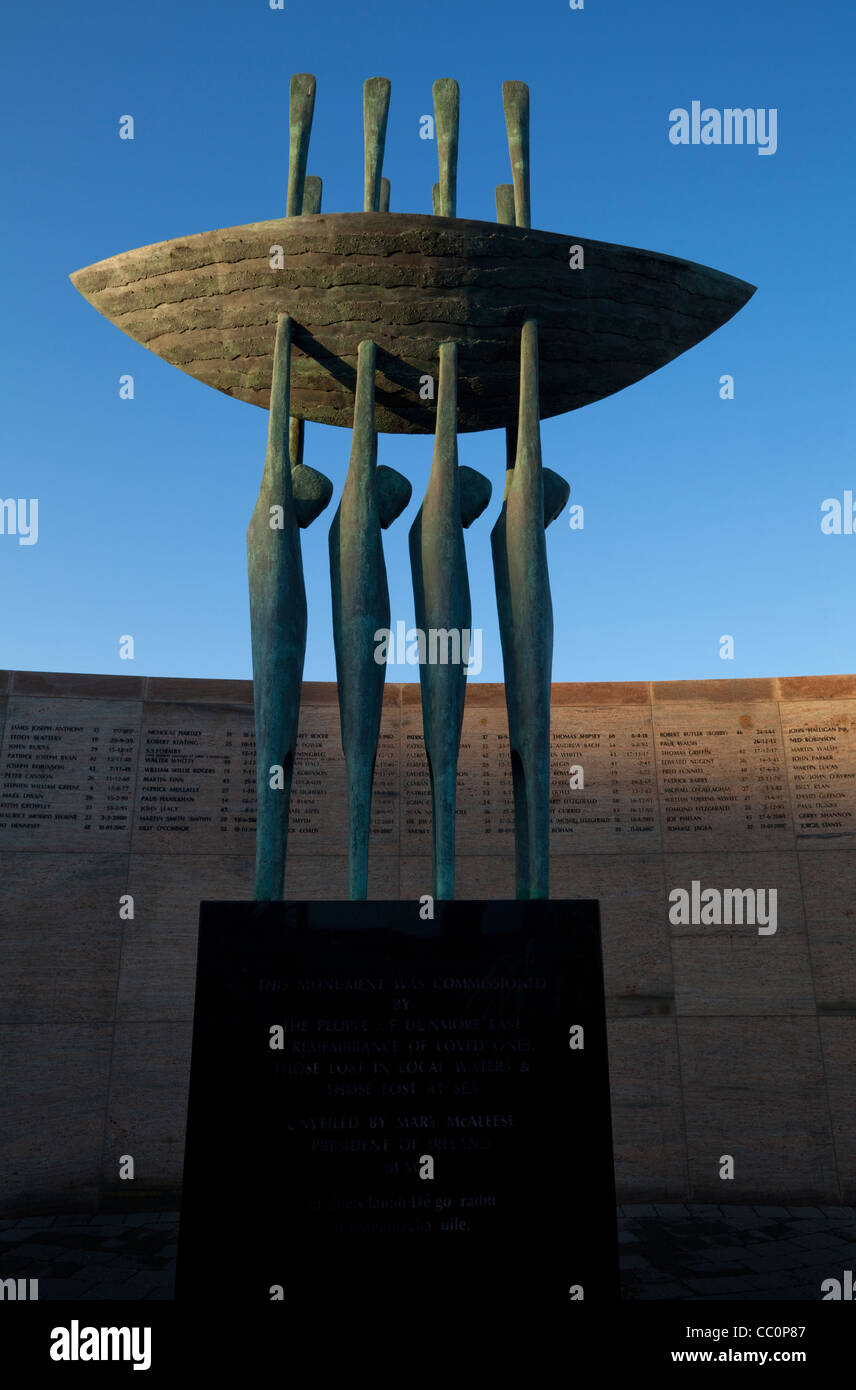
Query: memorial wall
[[124, 801]]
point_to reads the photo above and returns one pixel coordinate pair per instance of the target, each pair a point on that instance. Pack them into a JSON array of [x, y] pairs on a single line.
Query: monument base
[[388, 1110]]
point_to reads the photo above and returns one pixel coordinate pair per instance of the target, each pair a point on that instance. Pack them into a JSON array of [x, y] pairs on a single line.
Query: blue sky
[[702, 516]]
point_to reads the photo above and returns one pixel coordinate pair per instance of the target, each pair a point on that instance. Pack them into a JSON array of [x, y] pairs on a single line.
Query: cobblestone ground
[[667, 1251], [113, 1255]]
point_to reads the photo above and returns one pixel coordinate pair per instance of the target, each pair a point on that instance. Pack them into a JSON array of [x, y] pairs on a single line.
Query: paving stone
[[799, 1245], [54, 1290], [139, 1285], [723, 1287], [842, 1237], [764, 1281], [667, 1251], [807, 1226], [735, 1223], [726, 1253], [111, 1293], [63, 1269], [762, 1296], [774, 1261], [18, 1265], [40, 1250]]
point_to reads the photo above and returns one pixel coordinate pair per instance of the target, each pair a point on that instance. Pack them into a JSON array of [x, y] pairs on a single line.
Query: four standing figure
[[292, 495]]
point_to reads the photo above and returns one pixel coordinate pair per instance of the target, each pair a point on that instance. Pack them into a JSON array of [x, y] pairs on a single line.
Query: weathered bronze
[[208, 304], [375, 113], [360, 608], [438, 560], [447, 105], [526, 631], [342, 319], [278, 626], [357, 568], [313, 188], [515, 100], [290, 497], [441, 593], [505, 203], [301, 107]]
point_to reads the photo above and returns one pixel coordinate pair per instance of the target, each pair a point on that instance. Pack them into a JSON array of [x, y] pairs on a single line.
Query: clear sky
[[702, 516]]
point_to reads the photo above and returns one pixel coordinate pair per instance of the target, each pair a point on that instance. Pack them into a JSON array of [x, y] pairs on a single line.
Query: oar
[[313, 187], [447, 106], [515, 100], [301, 107], [505, 203], [375, 112]]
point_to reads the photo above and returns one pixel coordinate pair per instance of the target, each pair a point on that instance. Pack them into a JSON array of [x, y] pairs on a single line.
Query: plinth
[[388, 1110]]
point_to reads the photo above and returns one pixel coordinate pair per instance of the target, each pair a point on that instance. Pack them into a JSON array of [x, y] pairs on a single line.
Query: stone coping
[[169, 689]]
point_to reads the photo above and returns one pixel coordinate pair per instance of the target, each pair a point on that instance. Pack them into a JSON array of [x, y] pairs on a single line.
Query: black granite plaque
[[387, 1109]]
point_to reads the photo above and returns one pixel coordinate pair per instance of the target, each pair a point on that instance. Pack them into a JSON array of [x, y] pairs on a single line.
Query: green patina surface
[[340, 318]]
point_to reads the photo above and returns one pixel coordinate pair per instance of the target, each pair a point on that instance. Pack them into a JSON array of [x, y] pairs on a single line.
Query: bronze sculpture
[[340, 319]]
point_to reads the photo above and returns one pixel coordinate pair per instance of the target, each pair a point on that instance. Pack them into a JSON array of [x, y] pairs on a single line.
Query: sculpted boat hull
[[209, 303]]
